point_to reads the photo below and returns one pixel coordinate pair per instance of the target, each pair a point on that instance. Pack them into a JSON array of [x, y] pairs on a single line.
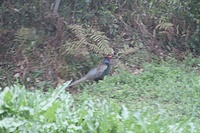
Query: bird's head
[[107, 59], [108, 56]]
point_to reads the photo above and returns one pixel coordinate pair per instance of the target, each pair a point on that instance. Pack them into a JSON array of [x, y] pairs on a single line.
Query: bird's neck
[[106, 60]]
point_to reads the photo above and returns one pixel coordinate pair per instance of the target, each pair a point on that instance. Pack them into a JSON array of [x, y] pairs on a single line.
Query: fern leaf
[[23, 35], [88, 39]]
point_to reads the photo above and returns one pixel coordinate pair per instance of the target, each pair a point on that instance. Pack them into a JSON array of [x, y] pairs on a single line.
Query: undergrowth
[[172, 86], [162, 98]]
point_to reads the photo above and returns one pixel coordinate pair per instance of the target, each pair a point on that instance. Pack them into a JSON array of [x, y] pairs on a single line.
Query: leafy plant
[[167, 84], [26, 39], [87, 39], [56, 111]]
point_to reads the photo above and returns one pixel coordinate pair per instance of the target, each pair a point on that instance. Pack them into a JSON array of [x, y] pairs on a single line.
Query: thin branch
[[57, 3]]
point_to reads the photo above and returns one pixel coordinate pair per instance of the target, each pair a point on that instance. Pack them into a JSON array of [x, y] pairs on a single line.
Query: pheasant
[[96, 73]]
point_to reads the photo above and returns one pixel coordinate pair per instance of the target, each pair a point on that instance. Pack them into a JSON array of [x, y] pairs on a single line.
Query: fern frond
[[164, 26], [94, 47], [87, 39], [78, 31], [23, 35], [101, 42]]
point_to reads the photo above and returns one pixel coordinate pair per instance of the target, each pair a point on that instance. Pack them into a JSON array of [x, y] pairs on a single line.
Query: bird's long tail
[[78, 81]]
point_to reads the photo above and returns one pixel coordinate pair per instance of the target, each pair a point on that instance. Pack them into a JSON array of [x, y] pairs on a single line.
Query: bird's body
[[96, 73]]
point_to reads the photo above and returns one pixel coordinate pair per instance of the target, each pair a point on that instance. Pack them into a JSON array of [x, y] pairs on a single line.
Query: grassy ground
[[173, 86], [163, 96]]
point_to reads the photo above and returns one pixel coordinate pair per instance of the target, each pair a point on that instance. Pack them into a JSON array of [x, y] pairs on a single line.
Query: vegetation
[[154, 81], [164, 99], [52, 32]]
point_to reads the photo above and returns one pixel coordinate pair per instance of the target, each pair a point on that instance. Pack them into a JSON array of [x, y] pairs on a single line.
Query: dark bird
[[96, 73]]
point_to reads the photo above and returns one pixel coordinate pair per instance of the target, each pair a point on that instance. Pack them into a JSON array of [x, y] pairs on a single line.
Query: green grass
[[174, 87], [162, 99]]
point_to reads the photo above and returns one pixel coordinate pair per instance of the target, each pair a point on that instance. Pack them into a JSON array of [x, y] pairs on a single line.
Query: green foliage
[[174, 87], [193, 9], [88, 40], [26, 39], [89, 27], [97, 13], [114, 18], [23, 35], [192, 18], [55, 111], [22, 110], [17, 13]]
